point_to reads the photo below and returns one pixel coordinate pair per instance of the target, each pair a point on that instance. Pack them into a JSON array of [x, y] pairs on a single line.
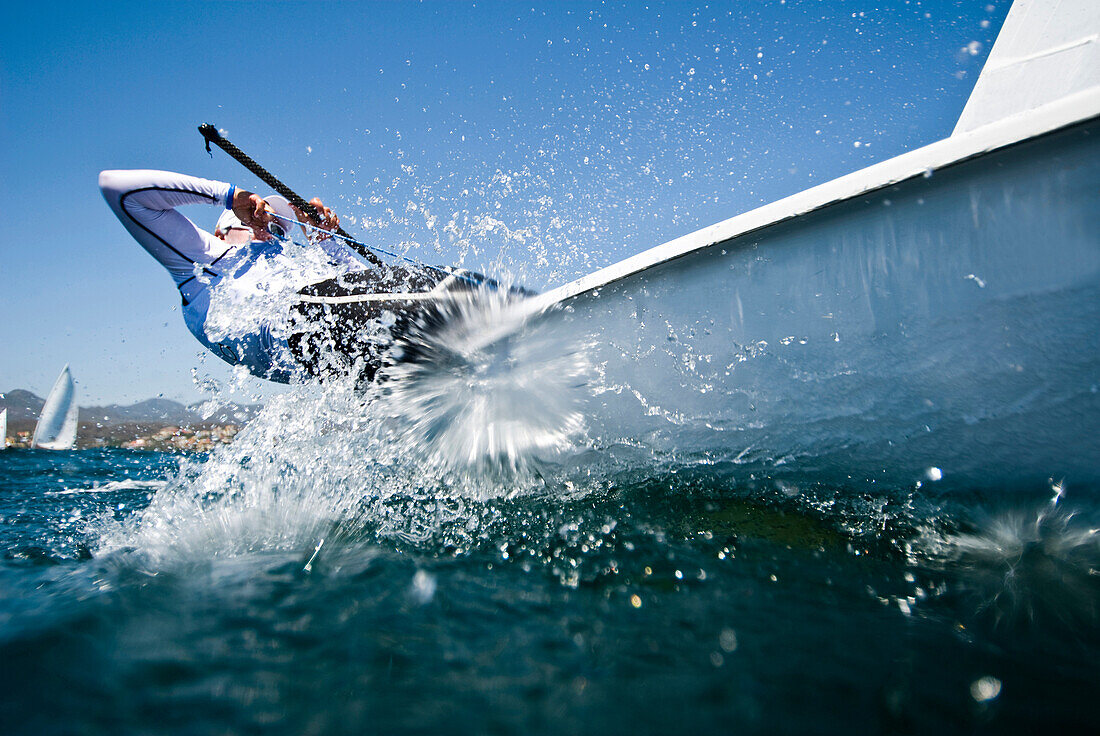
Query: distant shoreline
[[156, 436], [154, 424]]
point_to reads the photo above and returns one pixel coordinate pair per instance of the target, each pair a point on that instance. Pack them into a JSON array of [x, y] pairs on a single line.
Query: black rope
[[211, 135]]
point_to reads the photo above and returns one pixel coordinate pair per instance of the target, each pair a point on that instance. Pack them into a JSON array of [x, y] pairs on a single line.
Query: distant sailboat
[[3, 429], [56, 428]]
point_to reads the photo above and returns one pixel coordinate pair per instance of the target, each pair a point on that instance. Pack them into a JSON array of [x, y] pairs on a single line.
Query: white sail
[[56, 428], [1046, 51], [3, 429]]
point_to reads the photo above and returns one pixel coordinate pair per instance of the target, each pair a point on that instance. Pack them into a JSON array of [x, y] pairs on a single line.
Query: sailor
[[248, 238]]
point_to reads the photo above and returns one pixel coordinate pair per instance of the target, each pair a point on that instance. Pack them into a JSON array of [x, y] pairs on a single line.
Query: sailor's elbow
[[110, 181]]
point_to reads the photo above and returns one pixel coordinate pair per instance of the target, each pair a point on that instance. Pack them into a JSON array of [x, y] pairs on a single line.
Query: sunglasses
[[276, 228], [272, 227]]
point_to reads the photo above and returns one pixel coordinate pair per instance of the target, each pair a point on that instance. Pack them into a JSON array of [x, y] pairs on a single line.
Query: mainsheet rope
[[328, 233]]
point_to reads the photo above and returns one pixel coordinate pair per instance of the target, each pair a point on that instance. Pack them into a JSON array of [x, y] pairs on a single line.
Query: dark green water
[[687, 601]]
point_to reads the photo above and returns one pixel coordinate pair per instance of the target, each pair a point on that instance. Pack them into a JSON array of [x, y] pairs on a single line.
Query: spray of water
[[1027, 567], [259, 298], [333, 464], [491, 395]]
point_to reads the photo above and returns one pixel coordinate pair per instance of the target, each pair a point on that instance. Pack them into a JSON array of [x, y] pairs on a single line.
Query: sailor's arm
[[145, 201], [161, 190]]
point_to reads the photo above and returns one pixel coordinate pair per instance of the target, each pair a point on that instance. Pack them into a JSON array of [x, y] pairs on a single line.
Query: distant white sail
[[56, 428], [3, 429]]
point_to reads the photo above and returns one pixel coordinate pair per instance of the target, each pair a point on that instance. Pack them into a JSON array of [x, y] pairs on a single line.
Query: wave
[[114, 486]]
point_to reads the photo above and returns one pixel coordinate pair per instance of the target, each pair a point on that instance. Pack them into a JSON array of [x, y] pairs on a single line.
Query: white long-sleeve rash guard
[[145, 200]]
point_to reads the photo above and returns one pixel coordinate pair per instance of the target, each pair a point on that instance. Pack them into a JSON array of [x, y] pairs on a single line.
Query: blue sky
[[539, 139]]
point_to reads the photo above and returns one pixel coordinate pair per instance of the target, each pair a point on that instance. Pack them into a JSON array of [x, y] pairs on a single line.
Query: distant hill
[[21, 405], [150, 410], [24, 407]]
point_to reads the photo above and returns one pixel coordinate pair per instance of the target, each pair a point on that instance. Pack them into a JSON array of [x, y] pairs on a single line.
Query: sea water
[[459, 550]]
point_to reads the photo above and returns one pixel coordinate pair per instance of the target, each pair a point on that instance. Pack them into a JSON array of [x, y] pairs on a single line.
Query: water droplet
[[423, 587], [985, 689]]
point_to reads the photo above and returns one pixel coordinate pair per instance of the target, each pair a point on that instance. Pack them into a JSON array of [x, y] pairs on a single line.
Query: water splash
[[327, 466], [490, 395], [259, 296], [1027, 567]]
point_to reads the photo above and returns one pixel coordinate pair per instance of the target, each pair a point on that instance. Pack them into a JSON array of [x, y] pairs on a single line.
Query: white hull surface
[[947, 322], [936, 315], [3, 429], [56, 428]]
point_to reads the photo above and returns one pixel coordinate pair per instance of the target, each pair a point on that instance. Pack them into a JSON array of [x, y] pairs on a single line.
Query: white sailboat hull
[[932, 316], [948, 322]]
